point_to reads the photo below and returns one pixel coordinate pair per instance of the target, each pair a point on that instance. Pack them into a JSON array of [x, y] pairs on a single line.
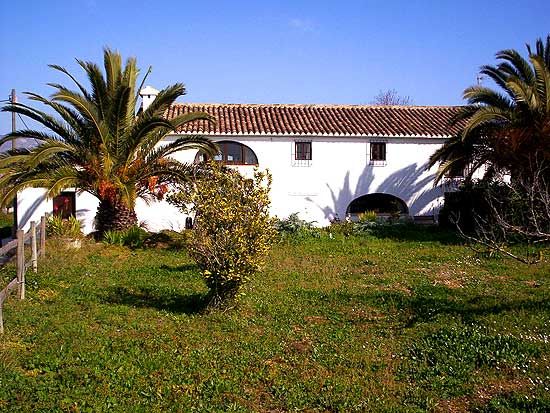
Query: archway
[[379, 203]]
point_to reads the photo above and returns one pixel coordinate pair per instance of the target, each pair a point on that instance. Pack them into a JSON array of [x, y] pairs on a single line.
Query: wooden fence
[[36, 236]]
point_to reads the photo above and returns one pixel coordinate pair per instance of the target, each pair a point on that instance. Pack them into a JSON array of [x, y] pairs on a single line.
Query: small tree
[[232, 230], [390, 97]]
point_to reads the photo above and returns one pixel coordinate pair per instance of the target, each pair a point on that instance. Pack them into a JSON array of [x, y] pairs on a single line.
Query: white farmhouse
[[327, 161]]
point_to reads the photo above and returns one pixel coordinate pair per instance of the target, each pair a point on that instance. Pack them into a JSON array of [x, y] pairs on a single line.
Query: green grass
[[405, 321]]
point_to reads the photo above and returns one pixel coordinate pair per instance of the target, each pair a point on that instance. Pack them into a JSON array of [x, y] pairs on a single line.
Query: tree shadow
[[29, 211], [423, 308], [166, 239], [417, 233], [412, 184], [159, 298], [179, 268], [428, 304]]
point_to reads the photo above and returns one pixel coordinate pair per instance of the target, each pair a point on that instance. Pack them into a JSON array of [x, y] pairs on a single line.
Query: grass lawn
[[408, 321]]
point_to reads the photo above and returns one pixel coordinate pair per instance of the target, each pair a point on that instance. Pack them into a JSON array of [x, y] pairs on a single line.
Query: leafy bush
[[232, 232], [65, 228], [133, 237], [365, 217], [345, 228], [295, 227]]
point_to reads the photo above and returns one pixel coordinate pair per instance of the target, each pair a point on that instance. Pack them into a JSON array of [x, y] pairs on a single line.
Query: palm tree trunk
[[114, 216]]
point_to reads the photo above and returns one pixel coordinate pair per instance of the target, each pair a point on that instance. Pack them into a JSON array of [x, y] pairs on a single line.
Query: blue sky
[[270, 52]]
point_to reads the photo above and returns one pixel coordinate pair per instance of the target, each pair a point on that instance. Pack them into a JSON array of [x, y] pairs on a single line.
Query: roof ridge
[[319, 105]]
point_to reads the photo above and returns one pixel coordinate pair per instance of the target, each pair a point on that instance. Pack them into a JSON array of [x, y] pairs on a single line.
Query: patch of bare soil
[[481, 395], [316, 319], [397, 287]]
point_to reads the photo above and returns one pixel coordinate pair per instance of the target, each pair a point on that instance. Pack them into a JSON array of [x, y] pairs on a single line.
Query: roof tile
[[314, 120]]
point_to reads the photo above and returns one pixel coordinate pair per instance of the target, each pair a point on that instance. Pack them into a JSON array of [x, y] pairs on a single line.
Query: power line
[[22, 120]]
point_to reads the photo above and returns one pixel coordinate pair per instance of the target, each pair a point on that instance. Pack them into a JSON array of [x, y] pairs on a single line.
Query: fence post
[[43, 236], [21, 264], [34, 254]]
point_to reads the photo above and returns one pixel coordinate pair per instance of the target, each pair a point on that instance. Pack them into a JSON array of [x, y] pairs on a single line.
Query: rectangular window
[[64, 205], [302, 151], [378, 151]]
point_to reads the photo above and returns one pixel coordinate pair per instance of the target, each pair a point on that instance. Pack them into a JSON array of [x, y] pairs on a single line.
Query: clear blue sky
[[271, 51]]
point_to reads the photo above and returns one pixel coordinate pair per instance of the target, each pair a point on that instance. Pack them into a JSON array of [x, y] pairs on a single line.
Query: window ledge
[[302, 162], [377, 163]]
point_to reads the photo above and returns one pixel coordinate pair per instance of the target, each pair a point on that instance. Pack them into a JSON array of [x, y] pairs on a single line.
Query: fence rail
[[36, 236]]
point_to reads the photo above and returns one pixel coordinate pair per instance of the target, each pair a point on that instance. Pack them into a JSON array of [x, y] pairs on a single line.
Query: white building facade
[[327, 161]]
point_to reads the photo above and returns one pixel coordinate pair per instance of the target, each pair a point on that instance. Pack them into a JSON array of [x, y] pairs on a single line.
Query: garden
[[400, 318]]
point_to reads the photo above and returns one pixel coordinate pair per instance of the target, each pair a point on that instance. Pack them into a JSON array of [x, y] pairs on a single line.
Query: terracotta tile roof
[[320, 120]]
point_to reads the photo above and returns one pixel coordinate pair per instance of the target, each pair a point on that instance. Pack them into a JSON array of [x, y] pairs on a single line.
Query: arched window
[[231, 153], [379, 203]]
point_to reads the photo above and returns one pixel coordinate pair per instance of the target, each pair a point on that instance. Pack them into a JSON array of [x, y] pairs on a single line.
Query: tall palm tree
[[507, 131], [98, 143]]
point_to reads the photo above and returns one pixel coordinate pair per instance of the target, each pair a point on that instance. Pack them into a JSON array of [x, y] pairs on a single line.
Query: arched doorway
[[231, 153], [379, 203]]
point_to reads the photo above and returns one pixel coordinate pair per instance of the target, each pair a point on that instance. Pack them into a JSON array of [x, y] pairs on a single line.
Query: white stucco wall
[[319, 190], [340, 172], [32, 204]]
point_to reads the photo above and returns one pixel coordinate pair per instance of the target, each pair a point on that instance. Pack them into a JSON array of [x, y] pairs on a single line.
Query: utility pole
[[13, 100]]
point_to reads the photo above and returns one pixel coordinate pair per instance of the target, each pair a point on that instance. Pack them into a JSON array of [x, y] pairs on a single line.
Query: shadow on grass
[[421, 309], [161, 299], [427, 305], [180, 268], [166, 239], [418, 233]]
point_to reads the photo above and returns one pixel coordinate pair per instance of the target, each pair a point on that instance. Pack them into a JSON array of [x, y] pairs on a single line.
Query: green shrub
[[345, 228], [232, 231], [133, 237], [365, 217], [294, 227], [65, 228], [113, 238]]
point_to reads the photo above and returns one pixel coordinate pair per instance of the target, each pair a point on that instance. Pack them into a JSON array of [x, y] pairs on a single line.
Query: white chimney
[[148, 94]]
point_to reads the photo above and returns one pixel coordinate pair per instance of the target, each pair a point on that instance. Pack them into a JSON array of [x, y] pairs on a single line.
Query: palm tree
[[98, 143], [506, 132]]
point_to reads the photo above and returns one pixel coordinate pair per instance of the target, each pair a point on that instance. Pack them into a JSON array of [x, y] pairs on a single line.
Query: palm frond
[[484, 114], [476, 95], [76, 82], [164, 99], [515, 65], [113, 68], [542, 73], [99, 88], [180, 144], [495, 75], [48, 121]]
